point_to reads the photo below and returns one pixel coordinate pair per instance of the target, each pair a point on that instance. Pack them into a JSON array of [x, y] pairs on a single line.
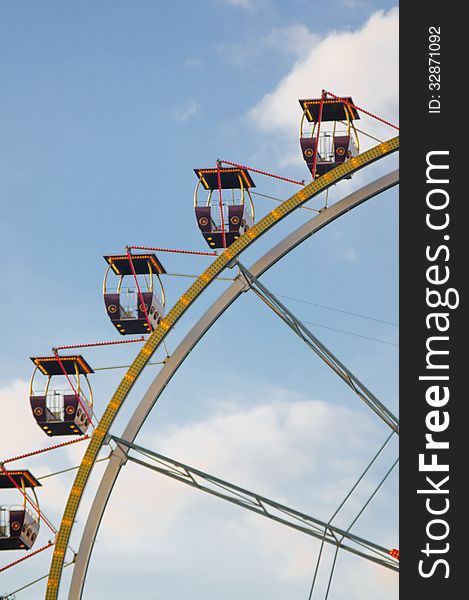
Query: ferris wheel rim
[[156, 338], [118, 458]]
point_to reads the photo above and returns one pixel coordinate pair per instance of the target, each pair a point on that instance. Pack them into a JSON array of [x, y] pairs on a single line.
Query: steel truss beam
[[318, 348], [261, 505]]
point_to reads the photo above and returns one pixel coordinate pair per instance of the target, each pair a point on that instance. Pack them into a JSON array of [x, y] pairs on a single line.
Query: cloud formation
[[291, 41], [184, 113], [249, 4], [14, 402], [301, 452]]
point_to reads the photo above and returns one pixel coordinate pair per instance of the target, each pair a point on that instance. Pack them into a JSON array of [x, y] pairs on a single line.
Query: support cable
[[161, 362], [340, 310], [354, 487], [316, 570], [318, 348], [331, 573], [373, 494], [166, 349], [348, 530], [353, 333], [341, 505], [68, 470], [315, 210], [372, 137], [31, 583], [190, 276]]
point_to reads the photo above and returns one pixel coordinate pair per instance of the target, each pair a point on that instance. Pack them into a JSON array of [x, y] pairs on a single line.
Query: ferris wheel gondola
[[60, 410], [136, 307], [222, 225], [19, 526], [332, 132]]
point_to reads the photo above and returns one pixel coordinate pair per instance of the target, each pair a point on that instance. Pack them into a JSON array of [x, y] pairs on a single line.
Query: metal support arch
[[119, 456]]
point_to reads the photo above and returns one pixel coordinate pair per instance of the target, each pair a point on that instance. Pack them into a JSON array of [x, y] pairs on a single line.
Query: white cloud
[[19, 432], [362, 63], [303, 453], [355, 3], [241, 3], [292, 41], [184, 113], [193, 63], [296, 40]]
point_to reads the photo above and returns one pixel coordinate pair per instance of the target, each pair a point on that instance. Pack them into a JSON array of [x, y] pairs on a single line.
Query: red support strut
[[233, 164], [175, 251], [316, 150], [223, 236], [94, 344], [29, 555], [34, 452], [140, 296], [28, 499], [366, 112]]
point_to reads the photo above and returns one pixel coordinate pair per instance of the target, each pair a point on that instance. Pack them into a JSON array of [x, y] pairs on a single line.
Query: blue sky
[[106, 109]]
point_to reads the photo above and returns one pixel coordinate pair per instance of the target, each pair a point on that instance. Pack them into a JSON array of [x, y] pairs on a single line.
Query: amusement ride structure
[[135, 301]]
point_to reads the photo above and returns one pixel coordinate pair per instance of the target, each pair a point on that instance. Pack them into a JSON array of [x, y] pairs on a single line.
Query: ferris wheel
[[135, 300]]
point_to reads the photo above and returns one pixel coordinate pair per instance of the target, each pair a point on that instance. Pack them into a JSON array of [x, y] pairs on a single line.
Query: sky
[[107, 107]]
